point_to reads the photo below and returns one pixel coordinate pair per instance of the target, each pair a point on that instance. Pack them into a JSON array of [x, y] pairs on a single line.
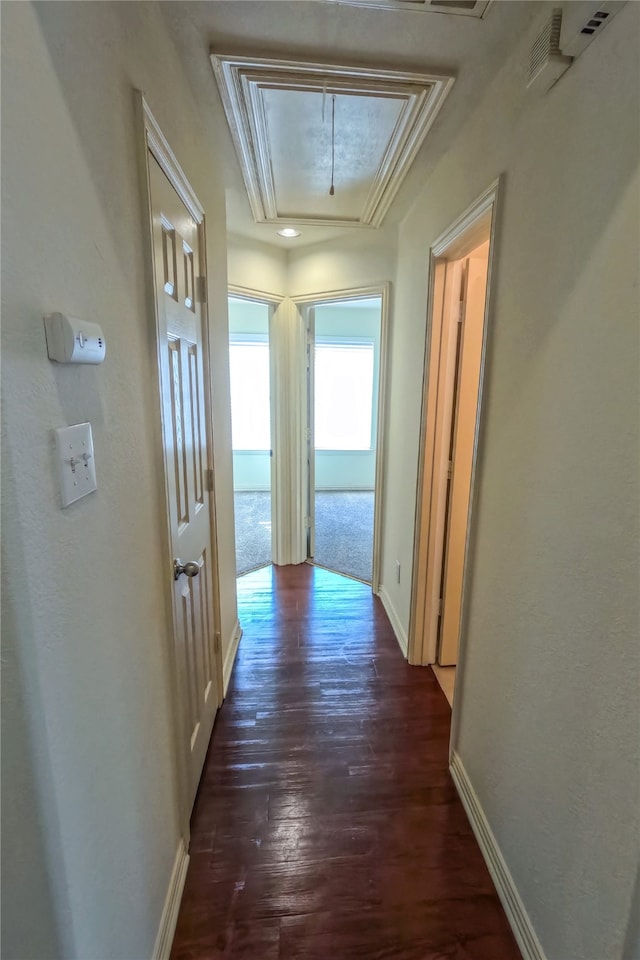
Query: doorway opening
[[249, 369], [345, 356], [454, 365]]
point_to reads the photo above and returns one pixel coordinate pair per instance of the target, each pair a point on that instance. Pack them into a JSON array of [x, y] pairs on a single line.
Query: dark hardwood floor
[[326, 826]]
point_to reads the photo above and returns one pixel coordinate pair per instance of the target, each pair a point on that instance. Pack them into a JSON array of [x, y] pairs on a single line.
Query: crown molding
[[242, 80]]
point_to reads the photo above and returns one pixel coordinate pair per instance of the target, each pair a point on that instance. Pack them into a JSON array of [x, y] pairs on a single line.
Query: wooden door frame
[[272, 301], [422, 645], [382, 290], [152, 141], [310, 509]]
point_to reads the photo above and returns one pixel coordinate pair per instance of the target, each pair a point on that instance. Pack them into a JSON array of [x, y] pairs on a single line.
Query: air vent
[[546, 62], [584, 22], [464, 8]]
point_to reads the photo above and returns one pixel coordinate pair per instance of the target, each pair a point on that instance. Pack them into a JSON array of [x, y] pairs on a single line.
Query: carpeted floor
[[253, 529], [344, 531]]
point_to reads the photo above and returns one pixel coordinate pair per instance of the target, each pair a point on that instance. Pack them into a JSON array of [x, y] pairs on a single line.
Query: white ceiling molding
[[461, 8], [280, 116]]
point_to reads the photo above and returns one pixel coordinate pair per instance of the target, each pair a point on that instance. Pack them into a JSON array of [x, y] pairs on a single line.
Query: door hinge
[[216, 642], [201, 289], [461, 311], [308, 433], [307, 522], [208, 479], [449, 469], [440, 607]]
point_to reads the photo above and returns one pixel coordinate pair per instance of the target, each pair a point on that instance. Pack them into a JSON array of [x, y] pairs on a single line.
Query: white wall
[[256, 266], [89, 809], [363, 258], [549, 724]]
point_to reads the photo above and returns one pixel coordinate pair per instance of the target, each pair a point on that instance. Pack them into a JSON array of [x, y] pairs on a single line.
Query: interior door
[[343, 374], [178, 262], [465, 407]]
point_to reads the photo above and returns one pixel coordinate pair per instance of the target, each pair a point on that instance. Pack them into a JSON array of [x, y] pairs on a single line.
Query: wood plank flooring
[[326, 826]]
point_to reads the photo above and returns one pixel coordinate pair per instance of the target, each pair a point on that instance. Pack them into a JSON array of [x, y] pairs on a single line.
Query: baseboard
[[169, 918], [514, 908], [230, 657], [394, 619], [352, 488]]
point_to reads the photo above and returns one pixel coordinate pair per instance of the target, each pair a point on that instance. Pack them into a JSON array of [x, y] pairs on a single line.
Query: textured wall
[[549, 725], [257, 266], [364, 259], [89, 817]]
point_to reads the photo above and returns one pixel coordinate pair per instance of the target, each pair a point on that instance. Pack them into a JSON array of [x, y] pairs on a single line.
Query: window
[[343, 394], [250, 404]]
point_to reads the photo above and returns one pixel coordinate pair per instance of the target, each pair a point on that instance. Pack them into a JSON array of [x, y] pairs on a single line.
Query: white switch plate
[[76, 464]]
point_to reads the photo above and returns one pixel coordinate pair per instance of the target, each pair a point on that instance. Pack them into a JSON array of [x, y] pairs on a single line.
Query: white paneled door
[[181, 327]]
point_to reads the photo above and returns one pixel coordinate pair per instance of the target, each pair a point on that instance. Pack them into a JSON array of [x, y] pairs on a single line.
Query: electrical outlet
[[398, 571]]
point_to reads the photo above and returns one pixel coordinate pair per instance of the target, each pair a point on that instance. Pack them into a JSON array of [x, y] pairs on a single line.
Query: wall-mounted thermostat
[[73, 341]]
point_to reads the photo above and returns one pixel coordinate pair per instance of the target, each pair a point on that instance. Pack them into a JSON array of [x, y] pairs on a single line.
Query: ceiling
[[366, 36], [320, 144]]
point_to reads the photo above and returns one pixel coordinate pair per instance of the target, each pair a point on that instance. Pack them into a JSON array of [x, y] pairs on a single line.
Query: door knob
[[191, 568]]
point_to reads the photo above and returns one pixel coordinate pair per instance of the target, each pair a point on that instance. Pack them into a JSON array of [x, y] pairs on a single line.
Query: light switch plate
[[76, 463]]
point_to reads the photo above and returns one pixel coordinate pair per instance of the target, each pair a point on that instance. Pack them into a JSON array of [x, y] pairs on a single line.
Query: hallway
[[326, 825]]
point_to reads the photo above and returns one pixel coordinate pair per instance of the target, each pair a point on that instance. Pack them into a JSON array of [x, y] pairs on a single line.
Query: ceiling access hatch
[[324, 144], [464, 8]]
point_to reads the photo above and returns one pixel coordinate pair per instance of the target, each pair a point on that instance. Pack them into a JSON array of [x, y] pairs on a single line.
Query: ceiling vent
[[546, 61], [464, 8], [584, 22]]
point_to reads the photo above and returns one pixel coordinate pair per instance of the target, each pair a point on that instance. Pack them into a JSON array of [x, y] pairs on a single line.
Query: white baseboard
[[230, 657], [514, 908], [353, 487], [169, 918], [394, 619]]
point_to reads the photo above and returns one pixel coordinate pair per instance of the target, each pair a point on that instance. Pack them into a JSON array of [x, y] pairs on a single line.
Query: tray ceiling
[[292, 122], [464, 8]]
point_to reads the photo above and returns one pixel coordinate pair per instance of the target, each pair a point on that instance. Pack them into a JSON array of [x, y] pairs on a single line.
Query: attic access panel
[[283, 119], [464, 8]]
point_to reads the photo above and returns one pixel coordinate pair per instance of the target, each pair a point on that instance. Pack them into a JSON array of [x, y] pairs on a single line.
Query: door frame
[[422, 646], [273, 301], [382, 290], [152, 141]]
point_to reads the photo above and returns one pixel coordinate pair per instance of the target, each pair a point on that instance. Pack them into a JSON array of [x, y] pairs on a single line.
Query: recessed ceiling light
[[289, 232]]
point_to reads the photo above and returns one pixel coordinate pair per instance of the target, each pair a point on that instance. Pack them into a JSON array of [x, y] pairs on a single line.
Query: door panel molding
[[153, 144]]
